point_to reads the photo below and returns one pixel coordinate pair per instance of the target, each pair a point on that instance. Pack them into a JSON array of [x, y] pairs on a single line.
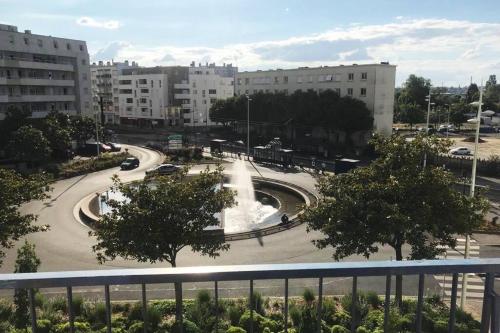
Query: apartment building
[[105, 88], [146, 96], [204, 85], [40, 73], [373, 83]]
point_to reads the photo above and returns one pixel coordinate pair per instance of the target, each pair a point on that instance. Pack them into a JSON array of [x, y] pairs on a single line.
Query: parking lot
[[491, 146]]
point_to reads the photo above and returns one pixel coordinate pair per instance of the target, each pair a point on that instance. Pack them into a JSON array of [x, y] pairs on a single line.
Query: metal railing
[[490, 319]]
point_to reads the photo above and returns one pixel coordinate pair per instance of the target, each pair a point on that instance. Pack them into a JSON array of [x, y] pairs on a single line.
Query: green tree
[[15, 191], [472, 94], [83, 129], [159, 221], [26, 262], [395, 202], [29, 144], [415, 90], [14, 119], [57, 129], [412, 114]]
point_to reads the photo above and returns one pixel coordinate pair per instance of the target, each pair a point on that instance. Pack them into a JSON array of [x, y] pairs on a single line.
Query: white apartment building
[[43, 73], [205, 85], [104, 83], [374, 84]]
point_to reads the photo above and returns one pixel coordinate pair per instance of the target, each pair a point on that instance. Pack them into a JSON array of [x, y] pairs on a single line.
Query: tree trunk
[[178, 302], [399, 279]]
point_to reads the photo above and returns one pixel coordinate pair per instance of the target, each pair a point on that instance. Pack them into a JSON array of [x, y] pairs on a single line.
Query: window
[[144, 100], [84, 62], [204, 101], [84, 76], [239, 82], [194, 84], [144, 91], [299, 79], [150, 103], [11, 39], [213, 100], [247, 92], [56, 46], [68, 46], [26, 41], [310, 78], [337, 90], [85, 91], [212, 91], [247, 80], [203, 93], [130, 100], [363, 91], [285, 79], [128, 109], [125, 81], [143, 81], [349, 91], [159, 81], [39, 42], [135, 93], [255, 91], [152, 84], [126, 91], [276, 80], [364, 76], [81, 47], [144, 109], [350, 76]]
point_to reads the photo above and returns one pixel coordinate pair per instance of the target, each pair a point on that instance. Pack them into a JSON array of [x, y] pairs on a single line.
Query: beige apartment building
[[41, 74], [373, 84]]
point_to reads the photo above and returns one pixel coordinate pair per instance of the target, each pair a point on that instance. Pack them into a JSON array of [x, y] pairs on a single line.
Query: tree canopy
[[326, 109], [394, 201], [15, 191], [29, 144], [162, 218]]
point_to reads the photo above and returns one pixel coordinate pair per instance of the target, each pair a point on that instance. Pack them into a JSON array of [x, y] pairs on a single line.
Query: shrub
[[77, 305], [362, 329], [257, 303], [234, 313], [203, 312], [374, 319], [361, 308], [295, 315], [79, 328], [339, 329], [373, 300], [463, 317], [235, 329], [308, 296], [328, 310], [43, 326], [492, 166], [5, 310], [136, 328], [341, 318], [58, 304], [187, 326], [259, 322]]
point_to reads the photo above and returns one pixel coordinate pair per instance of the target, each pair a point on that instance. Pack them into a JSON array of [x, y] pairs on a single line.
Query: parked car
[[163, 169], [460, 151], [130, 163], [114, 146], [90, 149]]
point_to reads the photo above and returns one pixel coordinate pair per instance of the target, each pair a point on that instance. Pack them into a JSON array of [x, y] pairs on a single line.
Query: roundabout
[[67, 246]]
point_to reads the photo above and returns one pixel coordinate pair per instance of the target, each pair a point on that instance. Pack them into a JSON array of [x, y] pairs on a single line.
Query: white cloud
[[443, 50], [91, 22]]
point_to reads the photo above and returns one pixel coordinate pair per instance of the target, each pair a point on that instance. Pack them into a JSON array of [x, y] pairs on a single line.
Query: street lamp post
[[472, 188], [427, 122], [248, 126], [97, 132]]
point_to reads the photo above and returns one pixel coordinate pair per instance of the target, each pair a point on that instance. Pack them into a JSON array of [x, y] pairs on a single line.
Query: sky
[[447, 41]]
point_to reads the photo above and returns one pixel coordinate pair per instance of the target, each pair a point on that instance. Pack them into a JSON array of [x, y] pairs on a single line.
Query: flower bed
[[234, 317]]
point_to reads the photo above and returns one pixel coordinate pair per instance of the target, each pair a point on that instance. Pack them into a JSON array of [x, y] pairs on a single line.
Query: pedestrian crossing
[[475, 284]]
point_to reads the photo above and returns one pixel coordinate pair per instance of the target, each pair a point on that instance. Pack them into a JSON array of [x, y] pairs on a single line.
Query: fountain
[[247, 212]]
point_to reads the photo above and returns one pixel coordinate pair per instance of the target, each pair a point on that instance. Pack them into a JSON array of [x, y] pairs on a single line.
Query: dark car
[[163, 169], [114, 146], [90, 149], [130, 163]]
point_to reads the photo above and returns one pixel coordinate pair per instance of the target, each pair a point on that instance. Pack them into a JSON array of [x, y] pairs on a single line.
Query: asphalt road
[[67, 246]]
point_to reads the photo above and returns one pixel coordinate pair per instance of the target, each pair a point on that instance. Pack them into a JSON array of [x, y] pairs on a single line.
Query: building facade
[[41, 74], [105, 88], [373, 84], [146, 96], [205, 85]]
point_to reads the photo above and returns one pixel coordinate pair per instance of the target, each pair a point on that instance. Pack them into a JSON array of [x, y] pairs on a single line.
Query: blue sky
[[447, 41]]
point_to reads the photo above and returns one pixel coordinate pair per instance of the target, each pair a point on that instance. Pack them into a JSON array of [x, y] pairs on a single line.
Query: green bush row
[[83, 166], [232, 316]]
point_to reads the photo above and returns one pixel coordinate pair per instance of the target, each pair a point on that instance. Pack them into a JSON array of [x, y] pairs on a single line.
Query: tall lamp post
[[428, 99], [248, 126], [477, 121]]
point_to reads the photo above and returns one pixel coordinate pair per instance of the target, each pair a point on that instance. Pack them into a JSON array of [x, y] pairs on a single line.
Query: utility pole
[[472, 192], [248, 126]]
